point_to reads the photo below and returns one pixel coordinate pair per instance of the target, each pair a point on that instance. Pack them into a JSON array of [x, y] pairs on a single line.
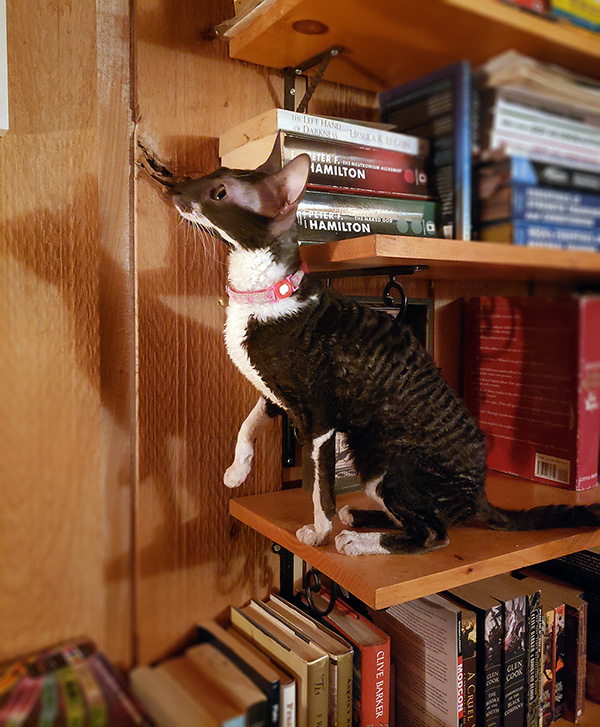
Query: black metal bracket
[[311, 584], [291, 74]]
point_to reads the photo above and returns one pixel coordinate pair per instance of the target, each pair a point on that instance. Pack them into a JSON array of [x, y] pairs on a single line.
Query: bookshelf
[[474, 552], [389, 42]]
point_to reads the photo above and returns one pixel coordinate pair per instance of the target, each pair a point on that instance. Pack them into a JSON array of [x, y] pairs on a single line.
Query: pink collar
[[279, 291]]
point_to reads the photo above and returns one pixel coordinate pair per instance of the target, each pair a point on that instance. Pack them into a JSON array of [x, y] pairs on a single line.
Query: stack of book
[[273, 665], [538, 141], [531, 382], [364, 179], [71, 683], [508, 650]]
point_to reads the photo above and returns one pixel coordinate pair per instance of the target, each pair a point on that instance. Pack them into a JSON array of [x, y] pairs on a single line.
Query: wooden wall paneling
[[52, 578], [117, 316], [193, 560]]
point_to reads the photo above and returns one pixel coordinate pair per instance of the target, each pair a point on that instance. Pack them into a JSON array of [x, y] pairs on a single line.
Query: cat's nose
[[182, 204]]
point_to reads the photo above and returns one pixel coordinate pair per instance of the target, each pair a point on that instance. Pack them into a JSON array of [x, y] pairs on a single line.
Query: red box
[[532, 381]]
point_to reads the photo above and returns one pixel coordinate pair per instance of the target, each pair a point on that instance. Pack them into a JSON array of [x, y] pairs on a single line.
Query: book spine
[[547, 671], [588, 394], [533, 148], [490, 645], [375, 686], [514, 662], [318, 694], [322, 217], [359, 169], [575, 661], [288, 705], [469, 667], [582, 12], [555, 207], [558, 660], [544, 174], [324, 128], [555, 236], [344, 691], [460, 689], [534, 658]]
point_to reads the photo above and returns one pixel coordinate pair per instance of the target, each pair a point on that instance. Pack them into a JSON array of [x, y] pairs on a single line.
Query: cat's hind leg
[[361, 518], [236, 473], [323, 497]]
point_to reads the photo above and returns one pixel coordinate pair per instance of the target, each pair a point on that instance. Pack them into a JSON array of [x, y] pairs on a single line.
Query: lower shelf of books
[[474, 552]]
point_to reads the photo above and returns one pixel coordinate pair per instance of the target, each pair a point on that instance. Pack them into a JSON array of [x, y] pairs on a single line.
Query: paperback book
[[532, 382]]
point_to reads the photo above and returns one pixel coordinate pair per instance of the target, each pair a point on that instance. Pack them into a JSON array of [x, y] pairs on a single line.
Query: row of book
[[584, 13], [506, 651], [508, 152]]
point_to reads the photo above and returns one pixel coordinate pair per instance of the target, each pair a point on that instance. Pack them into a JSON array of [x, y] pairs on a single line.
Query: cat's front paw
[[349, 542], [236, 474], [309, 535], [345, 515]]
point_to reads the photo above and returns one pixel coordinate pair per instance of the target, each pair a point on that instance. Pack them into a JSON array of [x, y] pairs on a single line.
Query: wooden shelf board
[[455, 259], [473, 553], [388, 42], [590, 718]]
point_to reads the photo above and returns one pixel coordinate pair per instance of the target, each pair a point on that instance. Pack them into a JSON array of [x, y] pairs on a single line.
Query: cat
[[335, 365]]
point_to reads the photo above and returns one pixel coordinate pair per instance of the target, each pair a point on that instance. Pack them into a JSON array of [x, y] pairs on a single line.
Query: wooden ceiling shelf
[[455, 259], [473, 553], [389, 42]]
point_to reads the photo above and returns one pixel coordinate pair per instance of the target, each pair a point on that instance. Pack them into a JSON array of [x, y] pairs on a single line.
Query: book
[[531, 234], [426, 649], [542, 205], [340, 166], [505, 170], [489, 651], [575, 638], [218, 669], [307, 662], [167, 700], [439, 107], [585, 13], [266, 677], [340, 655], [287, 683], [511, 594], [322, 127], [208, 694], [71, 682], [531, 384], [324, 216], [539, 7], [371, 660]]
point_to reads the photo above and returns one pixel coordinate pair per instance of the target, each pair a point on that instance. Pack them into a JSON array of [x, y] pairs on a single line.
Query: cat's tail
[[541, 518]]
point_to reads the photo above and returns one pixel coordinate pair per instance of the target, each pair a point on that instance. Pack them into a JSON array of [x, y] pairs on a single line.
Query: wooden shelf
[[473, 553], [455, 259], [591, 717], [388, 42]]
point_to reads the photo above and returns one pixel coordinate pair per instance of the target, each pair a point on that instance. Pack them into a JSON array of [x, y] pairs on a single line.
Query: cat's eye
[[218, 192]]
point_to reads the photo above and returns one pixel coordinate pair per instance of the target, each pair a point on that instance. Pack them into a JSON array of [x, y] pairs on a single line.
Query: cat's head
[[247, 209]]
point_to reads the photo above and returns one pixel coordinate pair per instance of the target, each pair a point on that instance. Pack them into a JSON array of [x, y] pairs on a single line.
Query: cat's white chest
[[236, 328]]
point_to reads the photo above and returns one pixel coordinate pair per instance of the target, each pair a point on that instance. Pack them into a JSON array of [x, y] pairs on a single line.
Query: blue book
[[541, 235], [439, 107]]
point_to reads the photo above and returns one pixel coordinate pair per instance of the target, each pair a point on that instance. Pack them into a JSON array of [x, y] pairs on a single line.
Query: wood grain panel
[[53, 509], [193, 558]]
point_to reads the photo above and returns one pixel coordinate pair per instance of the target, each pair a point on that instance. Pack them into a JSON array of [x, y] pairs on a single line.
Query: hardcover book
[[67, 683], [489, 651], [439, 107], [531, 234], [426, 650], [371, 661], [321, 127], [324, 216], [340, 166], [532, 382]]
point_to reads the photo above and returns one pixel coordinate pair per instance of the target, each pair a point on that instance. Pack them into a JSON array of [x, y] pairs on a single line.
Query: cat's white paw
[[309, 535], [346, 516], [236, 474], [349, 542]]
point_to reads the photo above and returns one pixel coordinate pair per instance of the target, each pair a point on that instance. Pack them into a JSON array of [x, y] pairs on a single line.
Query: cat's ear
[[281, 193]]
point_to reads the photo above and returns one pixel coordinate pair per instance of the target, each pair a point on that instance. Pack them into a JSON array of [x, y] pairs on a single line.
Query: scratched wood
[[56, 520]]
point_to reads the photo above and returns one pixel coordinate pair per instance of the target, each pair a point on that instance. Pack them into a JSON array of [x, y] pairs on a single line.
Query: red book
[[532, 381], [371, 689]]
